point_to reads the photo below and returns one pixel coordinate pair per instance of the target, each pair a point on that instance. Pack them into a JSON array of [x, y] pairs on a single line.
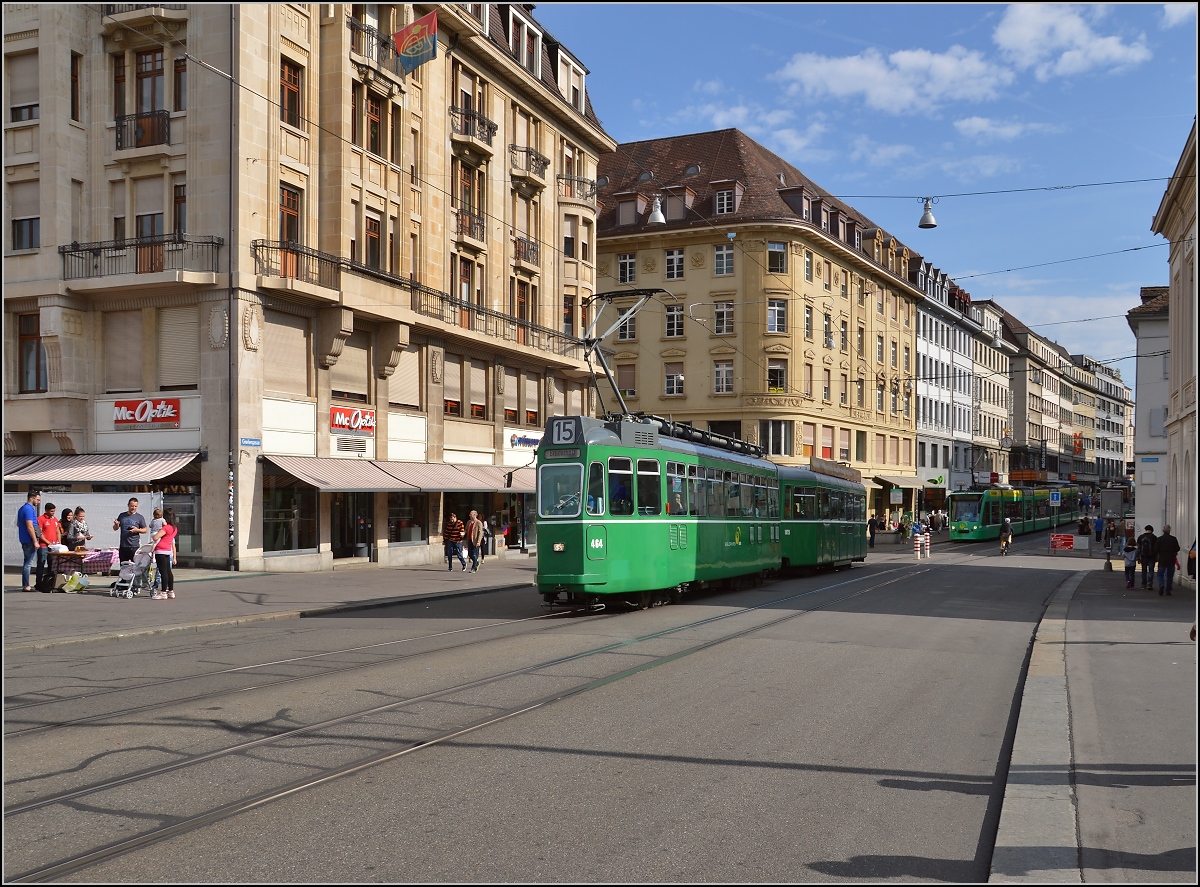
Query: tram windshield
[[964, 508], [559, 490]]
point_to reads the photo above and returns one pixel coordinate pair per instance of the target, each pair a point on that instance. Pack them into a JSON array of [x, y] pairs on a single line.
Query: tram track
[[243, 669], [396, 748]]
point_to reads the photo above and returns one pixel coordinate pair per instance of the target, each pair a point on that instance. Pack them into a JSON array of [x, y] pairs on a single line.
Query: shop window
[[407, 517], [289, 515]]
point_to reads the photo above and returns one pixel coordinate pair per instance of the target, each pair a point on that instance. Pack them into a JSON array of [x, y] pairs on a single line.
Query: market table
[[95, 563]]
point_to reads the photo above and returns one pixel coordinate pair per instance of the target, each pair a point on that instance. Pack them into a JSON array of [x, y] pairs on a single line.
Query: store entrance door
[[352, 524]]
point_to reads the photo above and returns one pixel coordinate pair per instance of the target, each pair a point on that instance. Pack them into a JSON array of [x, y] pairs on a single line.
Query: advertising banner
[[141, 415], [352, 421]]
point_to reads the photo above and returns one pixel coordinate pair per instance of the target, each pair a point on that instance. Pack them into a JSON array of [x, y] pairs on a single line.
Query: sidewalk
[[33, 620]]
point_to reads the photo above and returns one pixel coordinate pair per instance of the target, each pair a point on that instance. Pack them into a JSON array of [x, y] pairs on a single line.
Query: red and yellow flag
[[417, 44]]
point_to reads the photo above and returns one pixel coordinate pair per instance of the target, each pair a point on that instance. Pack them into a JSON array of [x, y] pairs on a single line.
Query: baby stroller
[[137, 574]]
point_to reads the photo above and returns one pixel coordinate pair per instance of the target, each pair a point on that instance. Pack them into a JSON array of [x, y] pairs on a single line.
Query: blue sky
[[912, 100]]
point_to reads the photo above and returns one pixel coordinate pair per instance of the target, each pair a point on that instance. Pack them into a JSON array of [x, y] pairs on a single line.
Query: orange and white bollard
[[917, 540], [928, 542]]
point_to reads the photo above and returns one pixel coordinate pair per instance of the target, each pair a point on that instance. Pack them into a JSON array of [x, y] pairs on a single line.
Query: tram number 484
[[597, 543]]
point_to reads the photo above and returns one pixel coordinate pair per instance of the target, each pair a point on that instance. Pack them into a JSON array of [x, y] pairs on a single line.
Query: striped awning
[[493, 477], [433, 477], [17, 463], [101, 468], [341, 475]]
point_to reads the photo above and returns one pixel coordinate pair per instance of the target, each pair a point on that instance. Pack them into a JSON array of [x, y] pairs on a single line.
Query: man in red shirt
[[452, 538], [49, 526]]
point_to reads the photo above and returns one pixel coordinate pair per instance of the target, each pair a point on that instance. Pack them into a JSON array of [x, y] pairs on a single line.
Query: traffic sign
[[1055, 499]]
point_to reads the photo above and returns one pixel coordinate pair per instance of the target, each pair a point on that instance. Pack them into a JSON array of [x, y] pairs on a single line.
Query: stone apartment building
[[788, 320], [1150, 323], [316, 301]]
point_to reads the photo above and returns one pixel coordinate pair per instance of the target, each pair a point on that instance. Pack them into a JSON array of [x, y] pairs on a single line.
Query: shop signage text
[[146, 414], [346, 420]]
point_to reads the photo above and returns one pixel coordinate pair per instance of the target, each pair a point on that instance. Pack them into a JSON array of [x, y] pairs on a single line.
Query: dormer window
[[525, 41], [678, 202], [630, 207], [724, 202], [727, 196], [570, 81]]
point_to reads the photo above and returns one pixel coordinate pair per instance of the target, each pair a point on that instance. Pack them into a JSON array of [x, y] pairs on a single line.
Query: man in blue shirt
[[27, 517]]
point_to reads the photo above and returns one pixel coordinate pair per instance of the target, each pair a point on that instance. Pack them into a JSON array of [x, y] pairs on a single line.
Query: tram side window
[[861, 513], [760, 498], [620, 490], [695, 482], [595, 493], [733, 495], [649, 487], [746, 483], [772, 500], [806, 506], [677, 495], [787, 503], [823, 504], [1043, 508], [992, 513], [1012, 510], [836, 505], [716, 494]]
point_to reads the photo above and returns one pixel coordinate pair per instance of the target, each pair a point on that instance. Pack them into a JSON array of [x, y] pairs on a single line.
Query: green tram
[[644, 508], [978, 514], [824, 515]]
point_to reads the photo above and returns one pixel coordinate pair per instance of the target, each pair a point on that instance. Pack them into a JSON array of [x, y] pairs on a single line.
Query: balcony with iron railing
[[145, 129], [527, 254], [527, 166], [471, 228], [119, 16], [577, 188], [471, 134], [280, 263], [375, 46], [163, 260]]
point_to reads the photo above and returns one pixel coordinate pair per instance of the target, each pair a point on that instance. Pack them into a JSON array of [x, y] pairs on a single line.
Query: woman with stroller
[[164, 556]]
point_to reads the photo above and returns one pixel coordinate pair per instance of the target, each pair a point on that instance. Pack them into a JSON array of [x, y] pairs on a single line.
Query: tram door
[[352, 524]]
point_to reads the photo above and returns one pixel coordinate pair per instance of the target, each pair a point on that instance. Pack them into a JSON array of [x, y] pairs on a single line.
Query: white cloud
[[876, 154], [712, 87], [905, 81], [981, 166], [801, 146], [1056, 41], [1177, 13], [987, 129]]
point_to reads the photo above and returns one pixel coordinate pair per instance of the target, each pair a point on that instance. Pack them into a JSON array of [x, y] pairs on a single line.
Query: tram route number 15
[[564, 431]]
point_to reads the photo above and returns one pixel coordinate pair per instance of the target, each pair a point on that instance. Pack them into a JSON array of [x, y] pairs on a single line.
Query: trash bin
[[362, 549]]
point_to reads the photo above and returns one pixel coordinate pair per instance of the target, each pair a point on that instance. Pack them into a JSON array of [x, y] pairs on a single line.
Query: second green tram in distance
[[642, 508], [976, 515]]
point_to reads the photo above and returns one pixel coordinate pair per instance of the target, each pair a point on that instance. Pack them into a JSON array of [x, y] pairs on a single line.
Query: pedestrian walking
[[1131, 562], [452, 538], [1006, 535], [1166, 550], [165, 554], [474, 537], [1145, 548], [29, 534], [872, 527], [132, 527], [1099, 525]]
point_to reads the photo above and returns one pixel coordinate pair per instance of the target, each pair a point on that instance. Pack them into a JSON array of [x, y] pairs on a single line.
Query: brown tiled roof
[[1157, 304], [1153, 292], [722, 155]]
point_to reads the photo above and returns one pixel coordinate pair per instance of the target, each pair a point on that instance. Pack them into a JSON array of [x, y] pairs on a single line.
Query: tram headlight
[[560, 546]]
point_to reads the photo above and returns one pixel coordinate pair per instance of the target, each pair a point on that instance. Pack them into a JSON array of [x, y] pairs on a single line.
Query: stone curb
[[371, 604], [1037, 841]]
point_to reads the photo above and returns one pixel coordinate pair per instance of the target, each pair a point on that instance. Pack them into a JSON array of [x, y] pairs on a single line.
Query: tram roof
[[806, 474]]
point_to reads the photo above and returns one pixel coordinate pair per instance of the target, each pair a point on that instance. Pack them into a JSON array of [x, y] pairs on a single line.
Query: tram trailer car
[[824, 516], [644, 507], [977, 515]]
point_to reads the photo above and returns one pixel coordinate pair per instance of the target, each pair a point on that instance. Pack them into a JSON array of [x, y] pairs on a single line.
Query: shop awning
[[492, 477], [907, 483], [341, 475], [432, 477], [870, 484], [101, 468], [17, 463]]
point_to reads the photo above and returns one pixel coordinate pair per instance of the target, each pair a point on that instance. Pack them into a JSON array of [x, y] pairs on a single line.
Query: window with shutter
[[179, 348], [560, 399], [122, 351], [23, 87], [285, 353], [350, 376], [452, 385], [478, 389], [512, 397], [406, 381], [533, 412]]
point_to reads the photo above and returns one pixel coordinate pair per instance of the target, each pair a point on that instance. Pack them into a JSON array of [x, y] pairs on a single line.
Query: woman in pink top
[[164, 555]]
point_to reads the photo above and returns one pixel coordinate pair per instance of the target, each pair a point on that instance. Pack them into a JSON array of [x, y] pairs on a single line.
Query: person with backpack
[[1145, 549]]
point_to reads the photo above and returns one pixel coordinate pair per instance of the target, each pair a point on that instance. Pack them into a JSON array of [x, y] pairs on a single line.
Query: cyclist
[[1006, 534]]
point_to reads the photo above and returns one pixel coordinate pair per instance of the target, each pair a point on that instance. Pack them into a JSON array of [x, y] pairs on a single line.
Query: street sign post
[[1055, 499]]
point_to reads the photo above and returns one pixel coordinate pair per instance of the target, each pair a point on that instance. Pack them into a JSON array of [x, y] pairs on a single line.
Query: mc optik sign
[[146, 414]]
